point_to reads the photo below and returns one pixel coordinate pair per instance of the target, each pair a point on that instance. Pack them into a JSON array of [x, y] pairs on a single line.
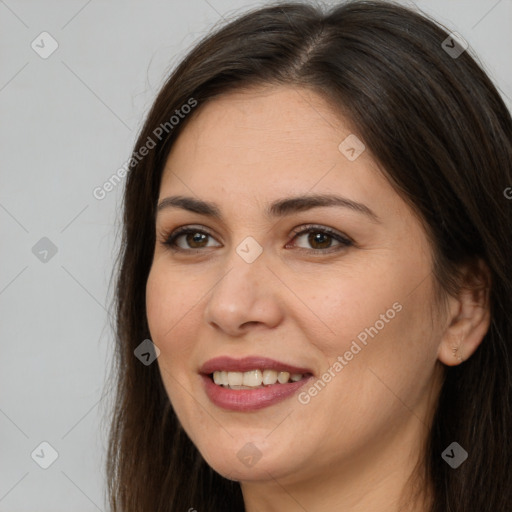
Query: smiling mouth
[[254, 379]]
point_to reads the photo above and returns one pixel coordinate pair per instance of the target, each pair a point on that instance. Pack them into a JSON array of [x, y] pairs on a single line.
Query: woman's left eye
[[320, 239]]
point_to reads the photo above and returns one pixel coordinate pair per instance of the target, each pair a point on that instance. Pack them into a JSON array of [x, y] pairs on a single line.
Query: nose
[[246, 295]]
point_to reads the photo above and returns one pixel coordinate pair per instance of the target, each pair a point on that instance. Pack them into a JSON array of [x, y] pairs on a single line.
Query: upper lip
[[245, 364]]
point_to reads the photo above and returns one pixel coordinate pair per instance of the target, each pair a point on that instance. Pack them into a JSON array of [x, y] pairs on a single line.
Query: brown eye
[[192, 238], [321, 239], [196, 240]]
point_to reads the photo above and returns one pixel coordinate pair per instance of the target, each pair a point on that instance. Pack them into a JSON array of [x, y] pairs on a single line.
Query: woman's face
[[346, 326]]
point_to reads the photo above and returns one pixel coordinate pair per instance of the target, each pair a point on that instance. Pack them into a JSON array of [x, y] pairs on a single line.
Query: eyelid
[[325, 229]]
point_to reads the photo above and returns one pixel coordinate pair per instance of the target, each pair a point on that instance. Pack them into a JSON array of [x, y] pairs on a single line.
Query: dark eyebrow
[[278, 208]]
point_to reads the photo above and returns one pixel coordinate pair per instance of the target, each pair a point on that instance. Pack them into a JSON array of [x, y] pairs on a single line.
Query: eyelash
[[344, 242]]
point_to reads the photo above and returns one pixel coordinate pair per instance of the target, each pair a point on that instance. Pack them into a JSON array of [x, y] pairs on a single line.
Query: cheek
[[158, 303], [168, 300], [380, 325], [354, 306], [169, 308]]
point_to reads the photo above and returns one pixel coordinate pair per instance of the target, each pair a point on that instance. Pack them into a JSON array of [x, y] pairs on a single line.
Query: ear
[[469, 316]]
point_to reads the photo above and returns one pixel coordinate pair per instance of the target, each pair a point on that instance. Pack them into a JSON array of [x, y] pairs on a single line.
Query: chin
[[250, 457], [250, 471]]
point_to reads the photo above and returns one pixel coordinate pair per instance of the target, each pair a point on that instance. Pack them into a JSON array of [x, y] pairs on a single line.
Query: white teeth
[[269, 377], [253, 378], [283, 377], [235, 379]]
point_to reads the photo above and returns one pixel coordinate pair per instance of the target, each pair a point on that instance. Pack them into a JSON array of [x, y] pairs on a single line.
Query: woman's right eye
[[193, 238]]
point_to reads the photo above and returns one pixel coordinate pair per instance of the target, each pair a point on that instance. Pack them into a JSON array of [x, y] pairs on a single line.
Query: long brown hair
[[442, 134]]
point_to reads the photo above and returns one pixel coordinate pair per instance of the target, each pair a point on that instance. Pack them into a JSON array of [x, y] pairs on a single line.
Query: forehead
[[270, 141], [282, 118]]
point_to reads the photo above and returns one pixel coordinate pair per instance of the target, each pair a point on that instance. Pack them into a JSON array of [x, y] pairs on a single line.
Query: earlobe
[[455, 346], [468, 322]]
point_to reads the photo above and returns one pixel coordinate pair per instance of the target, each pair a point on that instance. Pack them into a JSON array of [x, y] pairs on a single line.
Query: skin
[[355, 444]]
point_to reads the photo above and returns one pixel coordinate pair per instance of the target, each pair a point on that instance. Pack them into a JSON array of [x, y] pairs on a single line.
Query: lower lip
[[250, 399]]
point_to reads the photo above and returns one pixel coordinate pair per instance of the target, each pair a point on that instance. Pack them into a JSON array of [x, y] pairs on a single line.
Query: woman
[[316, 247]]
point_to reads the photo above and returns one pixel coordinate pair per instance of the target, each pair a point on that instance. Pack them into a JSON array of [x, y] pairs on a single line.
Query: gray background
[[68, 122]]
